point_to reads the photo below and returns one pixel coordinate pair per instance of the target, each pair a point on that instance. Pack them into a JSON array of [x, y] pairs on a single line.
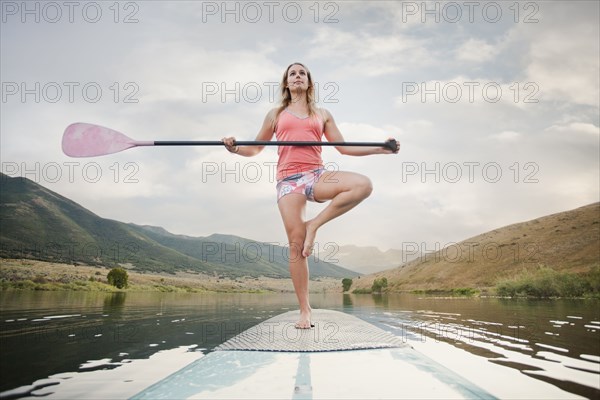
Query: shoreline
[[34, 275], [25, 274]]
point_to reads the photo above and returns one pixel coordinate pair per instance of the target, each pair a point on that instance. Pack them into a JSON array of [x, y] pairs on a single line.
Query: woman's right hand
[[229, 143]]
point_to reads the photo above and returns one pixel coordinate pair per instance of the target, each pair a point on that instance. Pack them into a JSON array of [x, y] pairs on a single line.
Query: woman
[[301, 176]]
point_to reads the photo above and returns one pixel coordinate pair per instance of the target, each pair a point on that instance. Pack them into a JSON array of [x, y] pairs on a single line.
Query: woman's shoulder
[[323, 113], [273, 112], [272, 115]]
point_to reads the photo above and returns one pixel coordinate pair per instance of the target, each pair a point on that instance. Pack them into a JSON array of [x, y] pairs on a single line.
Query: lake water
[[49, 340]]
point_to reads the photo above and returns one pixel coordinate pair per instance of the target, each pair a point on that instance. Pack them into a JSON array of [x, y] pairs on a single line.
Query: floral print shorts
[[302, 183]]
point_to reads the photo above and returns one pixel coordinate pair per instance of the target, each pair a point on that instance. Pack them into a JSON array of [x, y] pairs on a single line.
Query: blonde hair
[[286, 96]]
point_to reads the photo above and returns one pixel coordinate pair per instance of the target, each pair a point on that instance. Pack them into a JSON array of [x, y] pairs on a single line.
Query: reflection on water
[[45, 333], [347, 300], [68, 334], [557, 341], [114, 302]]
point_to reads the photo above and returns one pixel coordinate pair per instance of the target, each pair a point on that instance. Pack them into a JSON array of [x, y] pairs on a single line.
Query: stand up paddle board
[[340, 357]]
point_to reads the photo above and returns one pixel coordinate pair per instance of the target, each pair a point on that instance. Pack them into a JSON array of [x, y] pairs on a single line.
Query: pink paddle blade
[[88, 140]]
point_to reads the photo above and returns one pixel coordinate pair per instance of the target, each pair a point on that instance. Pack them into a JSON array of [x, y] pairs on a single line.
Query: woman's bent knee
[[365, 187]]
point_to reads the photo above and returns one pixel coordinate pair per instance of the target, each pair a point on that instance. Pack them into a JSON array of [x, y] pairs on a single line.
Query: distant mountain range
[[368, 259], [565, 241], [40, 224]]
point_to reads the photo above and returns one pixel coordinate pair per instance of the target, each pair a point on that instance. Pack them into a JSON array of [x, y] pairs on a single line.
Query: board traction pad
[[332, 331]]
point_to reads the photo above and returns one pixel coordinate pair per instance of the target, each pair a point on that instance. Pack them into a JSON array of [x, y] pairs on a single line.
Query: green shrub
[[545, 282], [118, 277], [26, 284], [464, 291], [346, 283], [593, 278], [379, 285]]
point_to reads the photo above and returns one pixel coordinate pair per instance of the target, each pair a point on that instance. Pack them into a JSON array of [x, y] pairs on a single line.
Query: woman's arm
[[265, 133], [333, 134]]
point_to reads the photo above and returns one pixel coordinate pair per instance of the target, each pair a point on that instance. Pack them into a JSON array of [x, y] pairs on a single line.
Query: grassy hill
[[563, 242], [40, 224]]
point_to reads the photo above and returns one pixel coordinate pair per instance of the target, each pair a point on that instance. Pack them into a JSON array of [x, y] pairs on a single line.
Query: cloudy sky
[[495, 104]]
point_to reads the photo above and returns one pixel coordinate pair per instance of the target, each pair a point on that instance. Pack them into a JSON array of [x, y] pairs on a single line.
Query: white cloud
[[369, 53], [368, 132], [506, 136], [183, 71], [564, 60], [477, 51], [576, 127]]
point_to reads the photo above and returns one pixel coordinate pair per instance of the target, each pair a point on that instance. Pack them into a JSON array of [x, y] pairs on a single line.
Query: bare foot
[[304, 321], [309, 239]]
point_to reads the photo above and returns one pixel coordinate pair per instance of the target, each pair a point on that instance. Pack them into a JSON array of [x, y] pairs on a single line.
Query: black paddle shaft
[[390, 144]]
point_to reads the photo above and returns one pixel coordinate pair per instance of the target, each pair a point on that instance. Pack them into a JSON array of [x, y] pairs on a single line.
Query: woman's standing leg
[[292, 208]]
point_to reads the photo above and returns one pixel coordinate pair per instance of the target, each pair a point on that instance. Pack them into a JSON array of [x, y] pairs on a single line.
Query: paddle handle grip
[[391, 144]]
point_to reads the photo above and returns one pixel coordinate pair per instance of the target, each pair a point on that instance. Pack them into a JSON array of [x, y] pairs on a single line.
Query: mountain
[[566, 241], [368, 259], [248, 256], [40, 224]]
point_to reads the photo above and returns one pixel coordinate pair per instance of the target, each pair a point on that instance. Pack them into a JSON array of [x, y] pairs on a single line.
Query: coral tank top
[[296, 159]]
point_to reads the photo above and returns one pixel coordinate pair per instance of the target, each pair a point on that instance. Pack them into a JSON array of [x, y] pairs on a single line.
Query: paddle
[[89, 140]]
